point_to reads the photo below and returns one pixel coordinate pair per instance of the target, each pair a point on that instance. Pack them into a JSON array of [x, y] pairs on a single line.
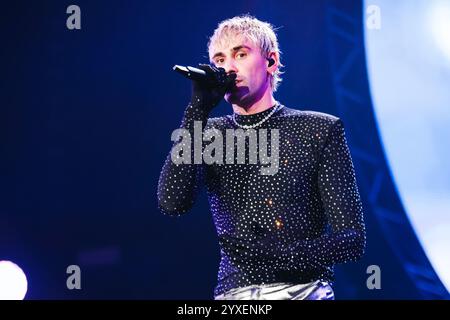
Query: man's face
[[242, 56]]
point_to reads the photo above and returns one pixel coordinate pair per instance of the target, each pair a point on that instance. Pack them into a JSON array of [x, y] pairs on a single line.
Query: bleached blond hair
[[261, 33]]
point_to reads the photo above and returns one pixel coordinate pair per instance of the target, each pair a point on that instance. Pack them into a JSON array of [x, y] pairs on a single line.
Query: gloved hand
[[207, 94], [268, 249]]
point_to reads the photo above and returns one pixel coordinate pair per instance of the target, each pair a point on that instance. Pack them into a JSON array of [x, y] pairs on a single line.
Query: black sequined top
[[312, 200]]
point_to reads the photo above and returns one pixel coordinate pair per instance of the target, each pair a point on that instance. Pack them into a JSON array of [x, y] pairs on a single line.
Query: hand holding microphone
[[209, 84]]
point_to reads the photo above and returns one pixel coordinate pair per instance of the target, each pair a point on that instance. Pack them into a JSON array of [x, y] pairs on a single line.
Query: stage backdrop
[[85, 122]]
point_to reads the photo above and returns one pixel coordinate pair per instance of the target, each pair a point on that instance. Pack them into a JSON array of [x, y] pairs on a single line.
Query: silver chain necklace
[[275, 109]]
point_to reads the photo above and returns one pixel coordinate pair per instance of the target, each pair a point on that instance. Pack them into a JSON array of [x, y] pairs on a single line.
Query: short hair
[[259, 32]]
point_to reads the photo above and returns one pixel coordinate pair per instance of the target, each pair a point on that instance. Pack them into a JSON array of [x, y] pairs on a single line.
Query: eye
[[220, 60], [241, 55]]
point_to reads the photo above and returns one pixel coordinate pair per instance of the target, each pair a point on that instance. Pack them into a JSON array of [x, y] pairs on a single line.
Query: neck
[[265, 102]]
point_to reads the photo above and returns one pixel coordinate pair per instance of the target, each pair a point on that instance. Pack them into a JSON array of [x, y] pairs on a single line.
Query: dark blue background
[[85, 123]]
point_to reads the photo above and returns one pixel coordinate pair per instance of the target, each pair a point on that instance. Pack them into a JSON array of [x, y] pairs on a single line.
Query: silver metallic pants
[[317, 290]]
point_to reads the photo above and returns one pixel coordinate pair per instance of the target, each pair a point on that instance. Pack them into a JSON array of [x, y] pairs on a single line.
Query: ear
[[272, 62]]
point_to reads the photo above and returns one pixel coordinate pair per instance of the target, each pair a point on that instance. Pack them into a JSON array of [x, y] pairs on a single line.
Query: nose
[[230, 66]]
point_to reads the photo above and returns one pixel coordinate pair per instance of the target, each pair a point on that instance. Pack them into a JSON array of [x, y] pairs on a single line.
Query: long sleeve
[[179, 182], [342, 206], [292, 226]]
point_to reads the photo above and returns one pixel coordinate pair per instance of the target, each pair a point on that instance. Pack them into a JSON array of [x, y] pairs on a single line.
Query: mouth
[[236, 85]]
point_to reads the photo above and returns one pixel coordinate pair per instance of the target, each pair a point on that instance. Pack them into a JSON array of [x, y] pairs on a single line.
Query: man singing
[[281, 231]]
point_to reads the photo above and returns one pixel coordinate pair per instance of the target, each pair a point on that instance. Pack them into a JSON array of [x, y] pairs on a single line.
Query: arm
[[179, 180], [178, 183], [342, 206]]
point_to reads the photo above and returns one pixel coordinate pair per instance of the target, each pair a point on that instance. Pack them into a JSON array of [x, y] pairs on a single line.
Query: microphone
[[190, 72], [212, 78]]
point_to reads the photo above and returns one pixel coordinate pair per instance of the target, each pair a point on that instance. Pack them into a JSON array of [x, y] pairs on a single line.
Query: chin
[[237, 97]]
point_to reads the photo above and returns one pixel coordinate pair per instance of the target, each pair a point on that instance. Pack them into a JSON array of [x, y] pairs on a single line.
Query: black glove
[[208, 93], [267, 250]]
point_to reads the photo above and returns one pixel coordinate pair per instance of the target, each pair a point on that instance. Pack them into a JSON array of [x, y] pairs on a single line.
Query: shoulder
[[317, 119], [319, 127], [218, 122]]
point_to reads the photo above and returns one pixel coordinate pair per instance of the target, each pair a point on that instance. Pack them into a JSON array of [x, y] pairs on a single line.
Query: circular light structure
[[439, 20], [13, 282], [409, 74]]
